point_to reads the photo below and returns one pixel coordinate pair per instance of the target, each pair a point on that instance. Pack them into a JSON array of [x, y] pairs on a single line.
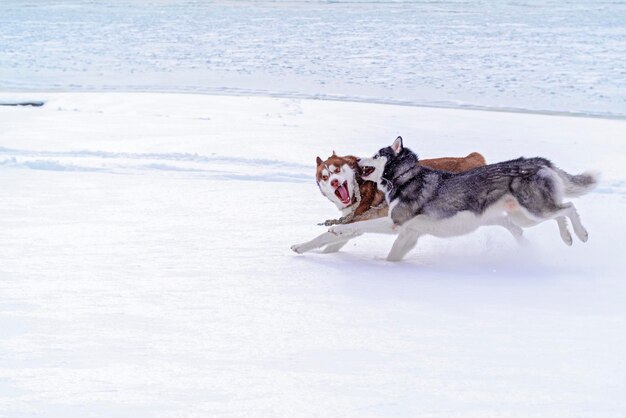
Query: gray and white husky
[[513, 194]]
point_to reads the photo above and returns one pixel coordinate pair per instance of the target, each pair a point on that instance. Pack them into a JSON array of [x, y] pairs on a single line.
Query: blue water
[[556, 56]]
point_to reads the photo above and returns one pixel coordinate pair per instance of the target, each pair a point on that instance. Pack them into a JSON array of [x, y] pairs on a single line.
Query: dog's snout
[[334, 182]]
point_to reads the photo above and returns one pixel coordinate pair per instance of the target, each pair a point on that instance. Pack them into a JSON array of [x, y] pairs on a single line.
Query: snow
[[149, 205], [146, 268]]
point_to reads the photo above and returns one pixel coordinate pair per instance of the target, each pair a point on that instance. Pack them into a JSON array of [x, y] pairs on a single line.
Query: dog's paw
[[580, 232], [297, 248], [394, 257], [567, 238]]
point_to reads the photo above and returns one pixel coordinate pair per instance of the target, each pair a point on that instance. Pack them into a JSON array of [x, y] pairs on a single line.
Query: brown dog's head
[[337, 179]]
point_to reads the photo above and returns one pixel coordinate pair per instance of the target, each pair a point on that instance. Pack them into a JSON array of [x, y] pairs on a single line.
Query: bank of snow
[[146, 268]]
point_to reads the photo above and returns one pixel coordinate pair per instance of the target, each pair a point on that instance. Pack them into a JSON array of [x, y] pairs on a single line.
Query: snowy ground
[[146, 270]]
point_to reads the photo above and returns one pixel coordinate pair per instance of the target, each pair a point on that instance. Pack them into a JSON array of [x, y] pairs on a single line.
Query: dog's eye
[[324, 178], [337, 170], [376, 156]]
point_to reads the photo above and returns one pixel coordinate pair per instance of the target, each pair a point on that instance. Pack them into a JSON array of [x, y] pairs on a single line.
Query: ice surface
[[146, 270], [531, 54]]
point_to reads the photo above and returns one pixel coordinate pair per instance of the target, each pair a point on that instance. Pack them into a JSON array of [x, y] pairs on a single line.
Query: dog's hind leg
[[515, 230], [565, 234], [570, 211]]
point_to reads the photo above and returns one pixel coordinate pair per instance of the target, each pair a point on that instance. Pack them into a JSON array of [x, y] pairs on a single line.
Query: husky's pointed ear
[[319, 161], [397, 145], [334, 153]]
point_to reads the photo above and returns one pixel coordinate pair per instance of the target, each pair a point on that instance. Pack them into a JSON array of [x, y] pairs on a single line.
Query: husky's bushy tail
[[579, 184]]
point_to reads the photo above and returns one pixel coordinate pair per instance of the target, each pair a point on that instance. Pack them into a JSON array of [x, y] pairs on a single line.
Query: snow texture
[[146, 268]]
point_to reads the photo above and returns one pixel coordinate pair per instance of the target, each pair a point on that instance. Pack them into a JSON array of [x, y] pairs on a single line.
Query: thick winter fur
[[362, 199], [512, 194], [339, 178]]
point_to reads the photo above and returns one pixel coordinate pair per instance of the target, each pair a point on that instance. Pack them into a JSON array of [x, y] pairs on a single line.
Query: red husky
[[339, 179]]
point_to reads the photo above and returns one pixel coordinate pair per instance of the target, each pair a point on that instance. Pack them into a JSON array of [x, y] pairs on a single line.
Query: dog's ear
[[334, 154], [397, 145], [352, 162], [319, 161]]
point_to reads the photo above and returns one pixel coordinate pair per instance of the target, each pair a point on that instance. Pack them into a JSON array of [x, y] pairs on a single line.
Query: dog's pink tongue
[[343, 194]]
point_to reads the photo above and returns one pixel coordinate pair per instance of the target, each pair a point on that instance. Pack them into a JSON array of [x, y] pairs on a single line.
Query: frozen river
[[541, 56]]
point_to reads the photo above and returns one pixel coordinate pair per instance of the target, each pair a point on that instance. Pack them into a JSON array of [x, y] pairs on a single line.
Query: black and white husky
[[512, 194]]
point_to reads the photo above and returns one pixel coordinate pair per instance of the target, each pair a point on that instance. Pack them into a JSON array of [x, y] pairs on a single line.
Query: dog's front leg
[[382, 225], [333, 248], [406, 241], [407, 238], [339, 235], [327, 238]]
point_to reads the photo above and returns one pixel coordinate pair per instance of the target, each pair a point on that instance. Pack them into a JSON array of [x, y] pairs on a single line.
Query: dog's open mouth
[[367, 170], [342, 193]]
